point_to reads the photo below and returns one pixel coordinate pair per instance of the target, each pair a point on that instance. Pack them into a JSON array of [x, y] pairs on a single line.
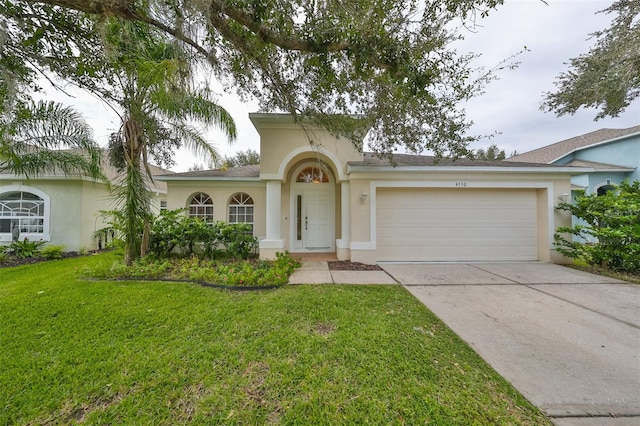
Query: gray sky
[[553, 33]]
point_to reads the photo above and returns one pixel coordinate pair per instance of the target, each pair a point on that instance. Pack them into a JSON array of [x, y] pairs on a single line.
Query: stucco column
[[343, 251], [273, 241]]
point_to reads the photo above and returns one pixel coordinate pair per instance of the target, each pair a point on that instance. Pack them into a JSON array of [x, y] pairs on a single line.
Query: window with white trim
[[241, 209], [200, 205], [24, 210]]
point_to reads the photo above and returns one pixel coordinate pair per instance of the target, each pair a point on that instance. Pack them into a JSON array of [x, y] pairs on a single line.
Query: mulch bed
[[345, 265], [12, 260]]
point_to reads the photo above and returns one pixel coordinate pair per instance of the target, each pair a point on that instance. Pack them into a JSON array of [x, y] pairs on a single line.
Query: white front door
[[317, 232], [313, 214], [313, 222]]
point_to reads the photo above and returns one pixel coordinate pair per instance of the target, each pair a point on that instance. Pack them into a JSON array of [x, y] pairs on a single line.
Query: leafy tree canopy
[[608, 77], [493, 152], [242, 158], [390, 62]]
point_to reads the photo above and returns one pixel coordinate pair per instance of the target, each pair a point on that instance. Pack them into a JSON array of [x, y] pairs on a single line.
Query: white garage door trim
[[374, 185]]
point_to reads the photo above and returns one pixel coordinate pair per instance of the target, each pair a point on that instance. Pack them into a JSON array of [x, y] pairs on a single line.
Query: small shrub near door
[[612, 229]]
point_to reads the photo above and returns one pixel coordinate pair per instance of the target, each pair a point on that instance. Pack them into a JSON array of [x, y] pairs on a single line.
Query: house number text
[[461, 184]]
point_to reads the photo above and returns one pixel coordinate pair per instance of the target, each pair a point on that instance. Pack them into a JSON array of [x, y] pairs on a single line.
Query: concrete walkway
[[317, 272]]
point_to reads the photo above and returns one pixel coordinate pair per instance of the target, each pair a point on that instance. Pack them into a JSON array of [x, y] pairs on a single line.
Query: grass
[[77, 351], [618, 275]]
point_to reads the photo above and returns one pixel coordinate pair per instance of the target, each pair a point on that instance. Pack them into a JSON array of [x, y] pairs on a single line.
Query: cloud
[[554, 33]]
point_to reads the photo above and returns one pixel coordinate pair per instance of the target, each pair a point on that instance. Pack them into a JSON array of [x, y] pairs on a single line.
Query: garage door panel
[[449, 225]]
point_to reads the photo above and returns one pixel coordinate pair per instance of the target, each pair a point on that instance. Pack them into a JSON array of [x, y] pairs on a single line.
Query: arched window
[[201, 206], [312, 174], [25, 211], [601, 190], [241, 209]]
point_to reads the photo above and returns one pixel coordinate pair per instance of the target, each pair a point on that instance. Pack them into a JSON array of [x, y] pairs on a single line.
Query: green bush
[[51, 252], [612, 229], [3, 254], [26, 248], [245, 273], [172, 231]]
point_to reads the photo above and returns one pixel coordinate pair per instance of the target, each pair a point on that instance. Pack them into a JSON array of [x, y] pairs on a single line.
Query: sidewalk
[[317, 272]]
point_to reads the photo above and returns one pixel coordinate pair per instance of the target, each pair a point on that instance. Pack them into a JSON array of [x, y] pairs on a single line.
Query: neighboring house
[[330, 197], [611, 156], [61, 210]]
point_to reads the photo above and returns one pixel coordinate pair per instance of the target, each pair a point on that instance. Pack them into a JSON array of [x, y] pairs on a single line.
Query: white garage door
[[456, 225]]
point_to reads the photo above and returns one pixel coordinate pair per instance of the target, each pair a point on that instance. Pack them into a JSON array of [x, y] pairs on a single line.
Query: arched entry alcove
[[312, 208]]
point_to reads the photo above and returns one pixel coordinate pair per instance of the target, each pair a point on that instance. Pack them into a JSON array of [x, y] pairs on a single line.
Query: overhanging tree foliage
[[608, 77], [39, 137], [390, 62]]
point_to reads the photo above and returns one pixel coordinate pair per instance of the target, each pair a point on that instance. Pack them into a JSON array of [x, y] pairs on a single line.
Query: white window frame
[[240, 206], [45, 235], [203, 209]]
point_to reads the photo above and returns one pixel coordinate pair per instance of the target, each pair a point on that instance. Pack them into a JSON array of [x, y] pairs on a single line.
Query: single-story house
[[61, 210], [328, 196], [610, 157]]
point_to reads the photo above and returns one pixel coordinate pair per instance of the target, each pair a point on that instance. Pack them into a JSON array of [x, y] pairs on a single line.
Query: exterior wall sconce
[[563, 198], [363, 197]]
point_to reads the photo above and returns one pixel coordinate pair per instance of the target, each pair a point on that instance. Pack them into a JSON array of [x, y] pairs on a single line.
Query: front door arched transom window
[[200, 205], [241, 209], [312, 174]]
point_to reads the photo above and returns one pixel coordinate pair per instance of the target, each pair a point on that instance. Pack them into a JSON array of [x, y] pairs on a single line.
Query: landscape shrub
[[52, 252], [26, 248], [611, 229], [245, 273], [166, 232], [172, 231]]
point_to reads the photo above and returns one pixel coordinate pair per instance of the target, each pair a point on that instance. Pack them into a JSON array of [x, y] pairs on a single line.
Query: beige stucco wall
[[283, 143], [220, 192], [75, 207]]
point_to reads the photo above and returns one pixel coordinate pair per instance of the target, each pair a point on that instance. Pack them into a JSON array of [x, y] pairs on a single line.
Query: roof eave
[[457, 169], [166, 178], [617, 170]]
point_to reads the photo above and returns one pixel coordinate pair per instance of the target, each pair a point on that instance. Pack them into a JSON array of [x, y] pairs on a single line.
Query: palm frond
[[195, 106], [50, 125], [47, 137], [40, 162], [194, 141]]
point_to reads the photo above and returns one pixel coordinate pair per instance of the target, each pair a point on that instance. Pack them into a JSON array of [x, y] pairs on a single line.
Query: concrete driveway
[[568, 340]]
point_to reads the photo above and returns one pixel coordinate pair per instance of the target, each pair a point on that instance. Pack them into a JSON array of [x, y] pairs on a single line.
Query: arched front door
[[312, 209]]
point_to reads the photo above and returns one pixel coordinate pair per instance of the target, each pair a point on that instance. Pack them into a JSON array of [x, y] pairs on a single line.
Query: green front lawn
[[141, 352]]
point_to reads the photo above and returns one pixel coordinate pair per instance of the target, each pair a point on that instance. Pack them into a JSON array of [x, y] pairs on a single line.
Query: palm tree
[[46, 137], [152, 85]]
